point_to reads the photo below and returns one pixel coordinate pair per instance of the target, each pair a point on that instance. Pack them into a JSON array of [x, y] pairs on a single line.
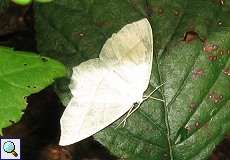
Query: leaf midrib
[[162, 90]]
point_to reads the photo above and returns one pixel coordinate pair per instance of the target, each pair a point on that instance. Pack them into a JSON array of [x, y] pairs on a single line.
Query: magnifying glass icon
[[9, 147]]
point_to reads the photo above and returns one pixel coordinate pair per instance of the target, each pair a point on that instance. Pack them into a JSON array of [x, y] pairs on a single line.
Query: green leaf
[[22, 2], [21, 74], [191, 49], [44, 1], [26, 2]]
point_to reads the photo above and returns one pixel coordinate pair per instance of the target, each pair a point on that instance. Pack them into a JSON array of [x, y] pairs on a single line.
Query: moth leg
[[131, 110], [127, 115], [154, 98], [139, 104], [124, 120]]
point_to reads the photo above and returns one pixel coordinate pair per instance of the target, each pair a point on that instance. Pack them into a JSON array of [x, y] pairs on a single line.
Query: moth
[[107, 87]]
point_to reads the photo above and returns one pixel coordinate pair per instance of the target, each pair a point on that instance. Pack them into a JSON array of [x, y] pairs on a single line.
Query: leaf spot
[[197, 73], [209, 47], [228, 52], [176, 12], [160, 11], [221, 52], [81, 34], [212, 58], [215, 97], [193, 106], [220, 23], [165, 155], [11, 121], [190, 36], [222, 2], [25, 64], [44, 59], [197, 124], [227, 71]]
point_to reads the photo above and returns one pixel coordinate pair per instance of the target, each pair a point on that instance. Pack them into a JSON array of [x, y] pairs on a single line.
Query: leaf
[[21, 74], [3, 5], [22, 2], [192, 50]]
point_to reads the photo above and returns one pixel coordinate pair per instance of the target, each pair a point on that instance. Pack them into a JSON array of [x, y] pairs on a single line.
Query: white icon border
[[7, 156]]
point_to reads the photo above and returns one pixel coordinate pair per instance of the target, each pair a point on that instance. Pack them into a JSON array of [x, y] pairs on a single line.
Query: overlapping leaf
[[21, 74]]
